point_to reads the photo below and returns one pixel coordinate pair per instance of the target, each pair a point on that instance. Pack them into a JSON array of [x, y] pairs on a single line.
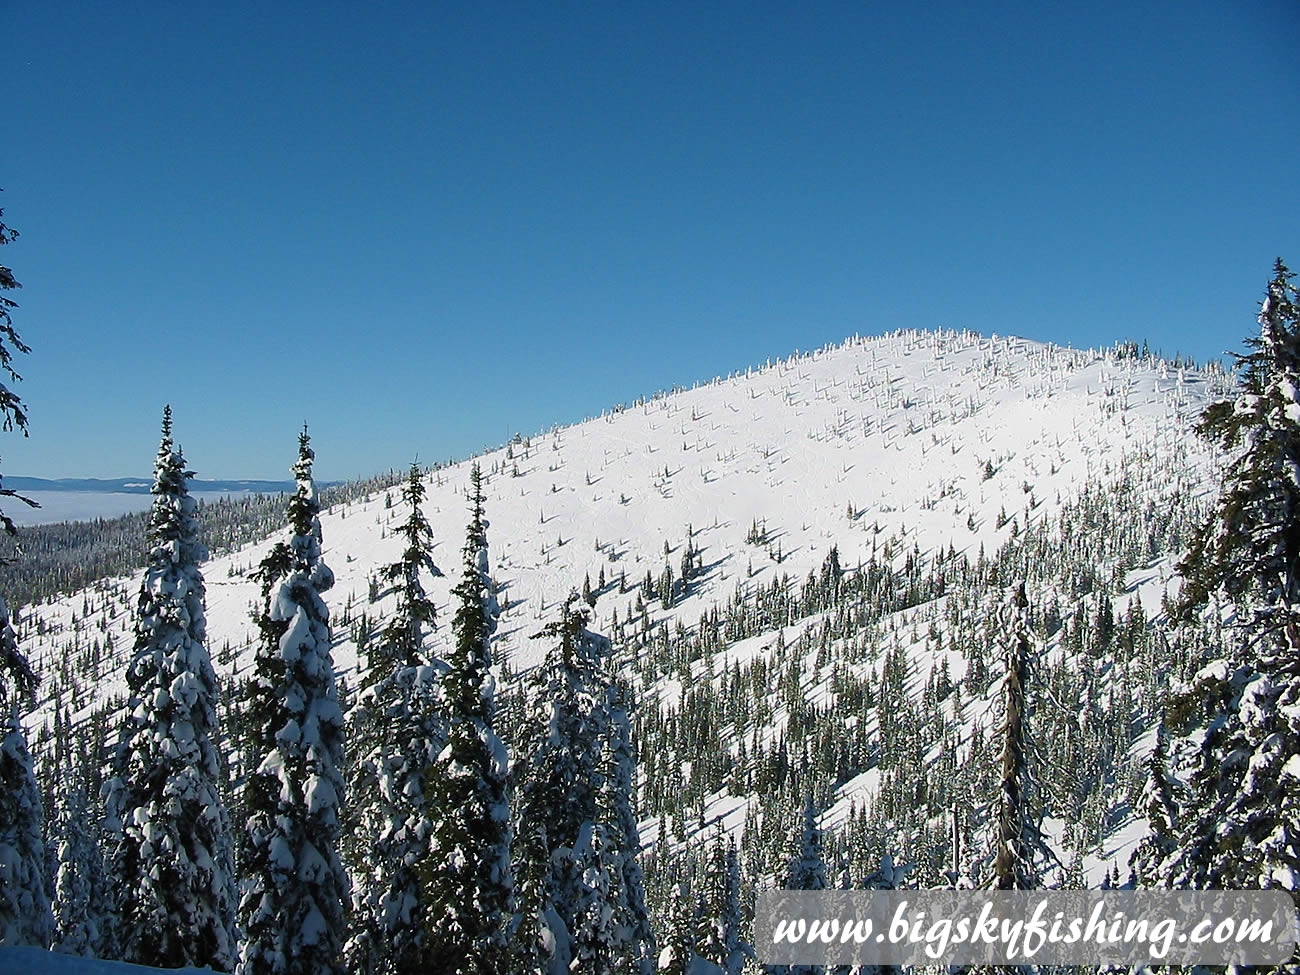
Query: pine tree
[[1251, 547], [293, 888], [617, 818], [597, 939], [397, 729], [12, 411], [887, 876], [172, 863], [1019, 848], [1238, 824], [1159, 804], [560, 750], [807, 871], [25, 917], [681, 930], [469, 880], [81, 884], [720, 940]]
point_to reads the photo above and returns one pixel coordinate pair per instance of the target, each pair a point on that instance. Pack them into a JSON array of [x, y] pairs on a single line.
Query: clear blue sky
[[424, 226]]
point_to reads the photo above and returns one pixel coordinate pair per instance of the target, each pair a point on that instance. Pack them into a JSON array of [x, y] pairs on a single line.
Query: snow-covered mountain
[[930, 446]]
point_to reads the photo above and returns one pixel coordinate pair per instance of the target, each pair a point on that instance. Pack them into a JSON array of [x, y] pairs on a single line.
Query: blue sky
[[422, 227]]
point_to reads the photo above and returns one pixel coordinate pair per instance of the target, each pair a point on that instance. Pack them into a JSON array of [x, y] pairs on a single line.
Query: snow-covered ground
[[34, 961]]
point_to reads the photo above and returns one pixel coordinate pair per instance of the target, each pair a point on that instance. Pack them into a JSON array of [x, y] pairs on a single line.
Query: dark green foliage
[[1237, 823], [172, 861], [293, 889], [12, 412], [467, 877], [1251, 548]]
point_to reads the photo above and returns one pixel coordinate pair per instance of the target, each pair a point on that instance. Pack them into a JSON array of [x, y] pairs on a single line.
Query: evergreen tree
[[1251, 547], [887, 876], [172, 862], [25, 917], [397, 729], [1019, 848], [597, 939], [681, 930], [560, 747], [807, 871], [720, 940], [617, 818], [12, 411], [81, 885], [469, 880], [1238, 824], [1159, 804], [293, 888]]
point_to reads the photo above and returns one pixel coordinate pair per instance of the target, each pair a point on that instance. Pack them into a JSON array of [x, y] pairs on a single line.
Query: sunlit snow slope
[[929, 438]]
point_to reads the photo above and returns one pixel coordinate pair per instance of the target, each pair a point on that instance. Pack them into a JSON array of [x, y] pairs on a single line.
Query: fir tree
[[597, 939], [680, 932], [293, 888], [1019, 848], [1251, 547], [720, 940], [560, 747], [807, 871], [887, 876], [469, 880], [1238, 824], [172, 863], [25, 917], [12, 411], [397, 729], [617, 818], [81, 884]]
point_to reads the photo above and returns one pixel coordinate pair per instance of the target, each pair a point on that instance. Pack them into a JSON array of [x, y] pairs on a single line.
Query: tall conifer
[[1237, 822], [398, 729], [294, 888], [469, 879], [172, 865]]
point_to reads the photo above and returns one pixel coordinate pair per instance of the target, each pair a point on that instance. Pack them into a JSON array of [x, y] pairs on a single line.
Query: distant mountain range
[[141, 485]]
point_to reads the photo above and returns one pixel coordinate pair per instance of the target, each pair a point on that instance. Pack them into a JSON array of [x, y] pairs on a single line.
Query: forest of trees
[[452, 815]]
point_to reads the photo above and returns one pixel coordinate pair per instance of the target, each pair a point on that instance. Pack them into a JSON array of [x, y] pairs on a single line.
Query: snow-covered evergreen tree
[[468, 878], [617, 819], [807, 870], [678, 940], [1160, 806], [1251, 547], [560, 752], [172, 865], [293, 889], [598, 942], [397, 729], [887, 876], [81, 885], [1237, 825], [25, 917], [720, 940], [1019, 852]]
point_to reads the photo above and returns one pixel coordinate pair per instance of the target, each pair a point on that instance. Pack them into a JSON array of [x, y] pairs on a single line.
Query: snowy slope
[[932, 439], [35, 961]]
